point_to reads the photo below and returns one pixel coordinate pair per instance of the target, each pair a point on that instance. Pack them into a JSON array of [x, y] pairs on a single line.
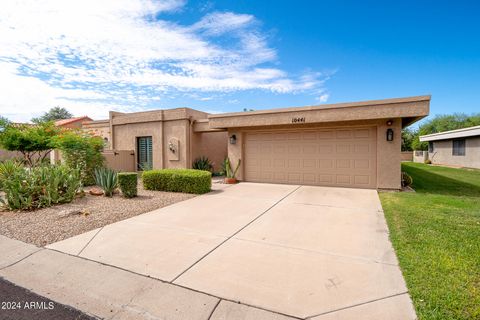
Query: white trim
[[453, 134]]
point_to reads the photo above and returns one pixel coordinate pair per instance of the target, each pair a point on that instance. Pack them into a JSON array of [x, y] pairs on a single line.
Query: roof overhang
[[453, 134], [409, 109]]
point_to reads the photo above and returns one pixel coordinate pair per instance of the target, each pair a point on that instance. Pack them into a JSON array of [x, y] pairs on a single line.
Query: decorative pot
[[230, 180]]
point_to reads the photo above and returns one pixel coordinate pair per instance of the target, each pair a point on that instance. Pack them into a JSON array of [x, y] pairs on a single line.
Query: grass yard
[[436, 235]]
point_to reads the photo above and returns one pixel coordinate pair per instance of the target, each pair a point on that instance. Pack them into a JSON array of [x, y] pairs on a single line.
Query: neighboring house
[[347, 144], [455, 148], [72, 123]]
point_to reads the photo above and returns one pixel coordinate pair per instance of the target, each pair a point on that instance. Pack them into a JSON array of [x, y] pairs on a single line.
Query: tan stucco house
[[354, 144], [459, 148]]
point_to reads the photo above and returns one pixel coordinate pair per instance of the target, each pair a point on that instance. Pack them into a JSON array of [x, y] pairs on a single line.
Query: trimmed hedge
[[127, 181], [178, 180]]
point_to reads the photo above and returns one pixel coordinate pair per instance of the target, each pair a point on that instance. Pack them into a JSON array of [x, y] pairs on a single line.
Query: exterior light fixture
[[233, 139], [389, 134], [389, 122]]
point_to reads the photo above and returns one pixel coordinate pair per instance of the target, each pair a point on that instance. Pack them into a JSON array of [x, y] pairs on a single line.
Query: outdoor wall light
[[233, 139], [389, 122], [389, 134]]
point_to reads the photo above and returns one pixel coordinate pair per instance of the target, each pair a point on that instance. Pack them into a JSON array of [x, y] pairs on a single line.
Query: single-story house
[[455, 148], [354, 144]]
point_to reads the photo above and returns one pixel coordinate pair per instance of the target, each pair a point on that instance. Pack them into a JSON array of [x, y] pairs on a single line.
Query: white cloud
[[91, 56], [323, 98]]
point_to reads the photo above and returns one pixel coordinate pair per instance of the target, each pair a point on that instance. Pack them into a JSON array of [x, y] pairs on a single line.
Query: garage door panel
[[309, 164], [325, 148], [327, 179], [325, 163], [362, 164], [309, 136], [336, 157], [294, 177], [324, 134], [344, 134], [362, 133], [343, 179], [279, 149], [343, 148], [309, 149], [362, 180], [343, 164]]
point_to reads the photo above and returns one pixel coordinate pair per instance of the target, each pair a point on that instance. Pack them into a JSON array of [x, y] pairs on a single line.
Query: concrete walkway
[[281, 251]]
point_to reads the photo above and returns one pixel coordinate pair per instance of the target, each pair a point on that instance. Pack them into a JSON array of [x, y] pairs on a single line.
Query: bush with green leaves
[[39, 187], [81, 151], [202, 163], [127, 181], [107, 179], [32, 141], [178, 180]]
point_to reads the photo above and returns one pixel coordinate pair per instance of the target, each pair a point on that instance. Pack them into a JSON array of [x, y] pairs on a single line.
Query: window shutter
[[145, 153]]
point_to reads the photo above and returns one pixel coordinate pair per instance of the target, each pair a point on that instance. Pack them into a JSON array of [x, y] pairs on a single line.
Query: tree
[[55, 113], [32, 141], [4, 122], [408, 135]]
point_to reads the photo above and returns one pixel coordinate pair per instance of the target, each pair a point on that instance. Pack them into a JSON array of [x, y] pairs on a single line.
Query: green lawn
[[436, 235]]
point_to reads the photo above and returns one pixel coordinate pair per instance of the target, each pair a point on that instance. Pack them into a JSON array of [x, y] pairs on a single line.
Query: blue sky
[[222, 56]]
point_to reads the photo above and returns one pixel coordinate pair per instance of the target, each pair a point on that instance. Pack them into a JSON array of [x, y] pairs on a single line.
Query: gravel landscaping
[[49, 225]]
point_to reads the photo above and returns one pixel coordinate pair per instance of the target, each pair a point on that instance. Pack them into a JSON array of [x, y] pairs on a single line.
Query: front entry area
[[344, 157]]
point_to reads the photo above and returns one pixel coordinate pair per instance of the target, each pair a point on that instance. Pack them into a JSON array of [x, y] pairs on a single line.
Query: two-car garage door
[[331, 157]]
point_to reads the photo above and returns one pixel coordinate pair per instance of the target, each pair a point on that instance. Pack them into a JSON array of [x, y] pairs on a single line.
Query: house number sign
[[298, 120]]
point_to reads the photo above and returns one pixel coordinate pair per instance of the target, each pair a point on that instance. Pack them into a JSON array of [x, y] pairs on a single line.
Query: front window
[[458, 148]]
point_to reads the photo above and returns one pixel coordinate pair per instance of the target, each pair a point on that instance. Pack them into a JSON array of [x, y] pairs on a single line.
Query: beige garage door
[[329, 157]]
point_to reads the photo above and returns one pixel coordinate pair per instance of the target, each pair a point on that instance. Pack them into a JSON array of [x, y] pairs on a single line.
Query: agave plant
[[202, 163], [106, 179]]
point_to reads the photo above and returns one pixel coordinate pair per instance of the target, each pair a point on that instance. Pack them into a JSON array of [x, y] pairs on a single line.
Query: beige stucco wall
[[388, 152], [125, 138], [176, 129], [442, 153], [212, 145], [166, 126], [100, 128]]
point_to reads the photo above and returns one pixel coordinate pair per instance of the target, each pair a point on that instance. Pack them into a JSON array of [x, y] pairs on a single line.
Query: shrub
[[81, 151], [407, 180], [106, 179], [178, 180], [428, 161], [40, 187], [202, 163], [127, 182]]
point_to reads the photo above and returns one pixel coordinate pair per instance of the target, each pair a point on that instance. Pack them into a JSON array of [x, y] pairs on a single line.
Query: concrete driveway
[[306, 252]]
